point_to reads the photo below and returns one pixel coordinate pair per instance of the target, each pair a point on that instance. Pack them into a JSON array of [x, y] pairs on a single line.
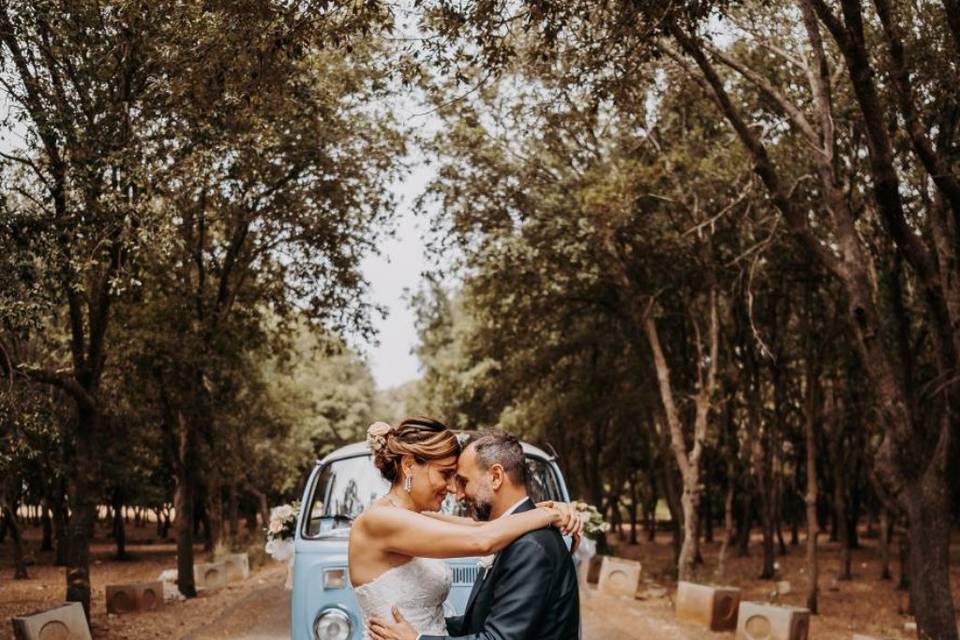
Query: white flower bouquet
[[594, 526], [280, 533]]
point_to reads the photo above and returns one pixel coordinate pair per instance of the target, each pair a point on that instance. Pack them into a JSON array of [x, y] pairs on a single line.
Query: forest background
[[706, 250]]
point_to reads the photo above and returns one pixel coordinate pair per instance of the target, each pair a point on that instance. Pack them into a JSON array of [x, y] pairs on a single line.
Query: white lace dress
[[418, 588]]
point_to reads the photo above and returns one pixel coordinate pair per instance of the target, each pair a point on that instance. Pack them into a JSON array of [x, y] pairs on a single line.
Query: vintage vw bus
[[340, 488]]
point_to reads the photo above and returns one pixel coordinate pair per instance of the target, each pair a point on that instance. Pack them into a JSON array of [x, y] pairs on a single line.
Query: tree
[[108, 98], [78, 76], [848, 217]]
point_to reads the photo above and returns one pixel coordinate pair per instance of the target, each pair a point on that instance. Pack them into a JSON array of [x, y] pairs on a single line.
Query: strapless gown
[[418, 588]]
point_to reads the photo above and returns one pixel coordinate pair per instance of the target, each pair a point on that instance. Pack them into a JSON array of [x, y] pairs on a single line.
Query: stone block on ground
[[168, 575], [210, 576], [714, 607], [238, 566], [62, 623], [171, 592], [593, 569], [619, 577], [126, 598], [762, 621]]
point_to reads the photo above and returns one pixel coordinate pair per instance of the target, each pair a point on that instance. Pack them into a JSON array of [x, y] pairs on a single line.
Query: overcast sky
[[392, 274]]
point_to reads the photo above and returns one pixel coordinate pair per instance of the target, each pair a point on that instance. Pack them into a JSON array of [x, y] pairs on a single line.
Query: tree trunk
[[795, 519], [689, 462], [233, 512], [840, 515], [616, 517], [928, 507], [690, 501], [744, 525], [698, 533], [203, 519], [903, 550], [119, 525], [706, 517], [59, 508], [250, 517], [183, 505], [781, 543], [886, 531], [650, 504], [83, 491], [214, 510], [810, 499], [264, 509], [46, 544], [768, 571], [669, 490], [728, 529], [634, 508], [8, 513], [19, 559]]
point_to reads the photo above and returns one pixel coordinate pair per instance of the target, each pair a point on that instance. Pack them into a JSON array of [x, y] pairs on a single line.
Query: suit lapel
[[481, 580]]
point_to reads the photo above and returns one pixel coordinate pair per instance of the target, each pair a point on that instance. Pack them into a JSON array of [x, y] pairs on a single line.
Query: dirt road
[[262, 614]]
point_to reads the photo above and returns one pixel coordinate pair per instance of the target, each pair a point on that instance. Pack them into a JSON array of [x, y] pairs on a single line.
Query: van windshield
[[344, 488]]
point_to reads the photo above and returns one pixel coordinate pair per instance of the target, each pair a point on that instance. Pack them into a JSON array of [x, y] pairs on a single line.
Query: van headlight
[[332, 624]]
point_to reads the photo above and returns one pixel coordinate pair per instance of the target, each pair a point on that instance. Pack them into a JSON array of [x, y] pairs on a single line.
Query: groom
[[530, 589]]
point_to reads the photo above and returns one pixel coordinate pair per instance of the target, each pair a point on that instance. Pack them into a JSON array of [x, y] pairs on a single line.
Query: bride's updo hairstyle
[[423, 438]]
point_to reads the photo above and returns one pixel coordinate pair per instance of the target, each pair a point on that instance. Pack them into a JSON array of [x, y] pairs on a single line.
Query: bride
[[397, 544]]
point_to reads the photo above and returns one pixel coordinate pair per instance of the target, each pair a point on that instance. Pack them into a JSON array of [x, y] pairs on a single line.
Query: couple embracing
[[527, 587]]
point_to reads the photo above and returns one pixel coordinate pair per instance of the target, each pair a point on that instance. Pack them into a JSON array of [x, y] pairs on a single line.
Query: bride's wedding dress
[[418, 588]]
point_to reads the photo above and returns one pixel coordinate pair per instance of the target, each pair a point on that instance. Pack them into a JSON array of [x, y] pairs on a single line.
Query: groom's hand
[[380, 629]]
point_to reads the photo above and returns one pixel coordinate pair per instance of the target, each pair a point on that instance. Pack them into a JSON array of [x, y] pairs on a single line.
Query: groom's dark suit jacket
[[530, 593]]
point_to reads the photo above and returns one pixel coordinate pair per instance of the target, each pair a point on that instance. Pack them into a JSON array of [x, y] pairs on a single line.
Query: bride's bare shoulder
[[376, 513], [381, 517]]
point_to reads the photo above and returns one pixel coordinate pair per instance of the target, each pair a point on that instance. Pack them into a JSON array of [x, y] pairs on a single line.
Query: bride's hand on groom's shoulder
[[399, 629], [567, 519]]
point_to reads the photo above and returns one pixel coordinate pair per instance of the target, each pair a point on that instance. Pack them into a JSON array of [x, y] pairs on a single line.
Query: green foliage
[[196, 186], [323, 397]]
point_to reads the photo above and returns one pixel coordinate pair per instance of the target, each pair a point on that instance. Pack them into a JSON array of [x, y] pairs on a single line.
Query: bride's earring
[[408, 482]]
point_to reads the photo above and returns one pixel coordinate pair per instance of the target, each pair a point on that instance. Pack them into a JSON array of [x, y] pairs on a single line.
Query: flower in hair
[[377, 435]]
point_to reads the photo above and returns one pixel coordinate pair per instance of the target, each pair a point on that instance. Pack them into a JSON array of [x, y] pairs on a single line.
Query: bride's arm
[[446, 517], [570, 524], [416, 535]]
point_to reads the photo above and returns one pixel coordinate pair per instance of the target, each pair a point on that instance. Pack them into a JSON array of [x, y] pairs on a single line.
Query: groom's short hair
[[499, 447]]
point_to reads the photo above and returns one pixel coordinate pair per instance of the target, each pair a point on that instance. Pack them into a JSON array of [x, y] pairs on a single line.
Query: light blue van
[[340, 488]]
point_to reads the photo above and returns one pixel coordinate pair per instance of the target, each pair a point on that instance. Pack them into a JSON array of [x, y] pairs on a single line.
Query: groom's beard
[[483, 504], [482, 510]]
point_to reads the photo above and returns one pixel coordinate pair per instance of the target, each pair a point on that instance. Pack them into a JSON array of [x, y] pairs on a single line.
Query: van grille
[[464, 575]]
